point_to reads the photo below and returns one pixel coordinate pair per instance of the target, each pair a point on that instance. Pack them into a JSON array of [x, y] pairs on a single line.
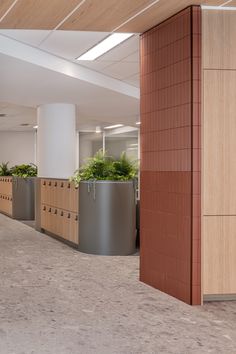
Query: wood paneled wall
[[170, 156], [219, 152]]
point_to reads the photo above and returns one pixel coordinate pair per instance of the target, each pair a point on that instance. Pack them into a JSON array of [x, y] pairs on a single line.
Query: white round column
[[56, 140]]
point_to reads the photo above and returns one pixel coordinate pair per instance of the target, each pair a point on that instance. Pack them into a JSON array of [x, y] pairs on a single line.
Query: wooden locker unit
[[6, 195], [59, 209]]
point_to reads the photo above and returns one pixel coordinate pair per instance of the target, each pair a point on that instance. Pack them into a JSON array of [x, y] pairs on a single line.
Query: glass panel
[[89, 144], [115, 144]]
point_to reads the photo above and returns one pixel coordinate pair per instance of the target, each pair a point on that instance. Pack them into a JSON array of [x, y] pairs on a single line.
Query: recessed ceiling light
[[114, 126], [104, 46], [98, 130], [35, 127], [138, 123]]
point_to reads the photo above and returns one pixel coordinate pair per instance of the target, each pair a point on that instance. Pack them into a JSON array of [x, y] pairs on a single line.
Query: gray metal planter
[[107, 222], [23, 198]]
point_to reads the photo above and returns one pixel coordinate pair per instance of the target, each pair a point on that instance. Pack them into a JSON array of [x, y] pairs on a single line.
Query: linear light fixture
[[35, 127], [104, 46], [114, 126], [220, 8]]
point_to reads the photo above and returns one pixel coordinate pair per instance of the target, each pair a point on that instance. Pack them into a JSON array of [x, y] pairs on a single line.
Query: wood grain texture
[[219, 33], [219, 250], [219, 143], [160, 12], [6, 195], [38, 14], [93, 15], [170, 171], [231, 3], [4, 6], [103, 15], [59, 208]]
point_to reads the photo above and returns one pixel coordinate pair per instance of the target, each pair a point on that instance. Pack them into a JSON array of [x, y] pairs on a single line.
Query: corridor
[[56, 300]]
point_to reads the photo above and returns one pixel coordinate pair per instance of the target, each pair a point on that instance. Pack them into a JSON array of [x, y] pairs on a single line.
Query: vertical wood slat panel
[[170, 168]]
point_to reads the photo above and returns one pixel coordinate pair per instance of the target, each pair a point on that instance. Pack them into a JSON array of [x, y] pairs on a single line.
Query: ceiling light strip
[[136, 15], [105, 45], [7, 12], [114, 126], [219, 8], [71, 13]]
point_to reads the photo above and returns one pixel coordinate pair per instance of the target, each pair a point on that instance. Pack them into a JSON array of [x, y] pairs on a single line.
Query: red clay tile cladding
[[170, 156]]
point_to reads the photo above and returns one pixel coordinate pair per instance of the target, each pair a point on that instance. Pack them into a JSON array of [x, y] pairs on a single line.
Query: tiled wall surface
[[170, 156]]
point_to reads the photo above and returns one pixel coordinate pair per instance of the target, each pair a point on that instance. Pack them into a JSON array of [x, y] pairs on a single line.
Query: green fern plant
[[24, 171], [4, 170], [104, 167]]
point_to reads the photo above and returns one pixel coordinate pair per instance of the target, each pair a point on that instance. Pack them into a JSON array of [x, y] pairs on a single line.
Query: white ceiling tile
[[71, 44], [122, 51], [133, 80], [94, 64], [31, 37], [121, 70], [132, 58]]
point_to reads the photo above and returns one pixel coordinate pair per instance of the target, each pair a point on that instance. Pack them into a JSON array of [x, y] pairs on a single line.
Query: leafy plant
[[4, 170], [24, 171], [104, 167], [124, 169]]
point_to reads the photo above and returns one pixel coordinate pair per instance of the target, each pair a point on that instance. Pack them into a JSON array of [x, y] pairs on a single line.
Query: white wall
[[17, 147]]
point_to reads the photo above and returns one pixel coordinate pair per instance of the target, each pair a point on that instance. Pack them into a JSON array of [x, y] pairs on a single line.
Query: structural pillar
[[56, 140]]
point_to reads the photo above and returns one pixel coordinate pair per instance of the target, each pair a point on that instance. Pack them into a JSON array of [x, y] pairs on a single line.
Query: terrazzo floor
[[56, 300]]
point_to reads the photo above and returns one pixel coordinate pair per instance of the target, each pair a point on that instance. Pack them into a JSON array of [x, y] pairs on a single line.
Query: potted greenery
[[4, 170], [21, 192], [24, 171], [107, 205]]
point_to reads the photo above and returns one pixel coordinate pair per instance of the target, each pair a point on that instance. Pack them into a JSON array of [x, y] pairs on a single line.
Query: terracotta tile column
[[170, 156]]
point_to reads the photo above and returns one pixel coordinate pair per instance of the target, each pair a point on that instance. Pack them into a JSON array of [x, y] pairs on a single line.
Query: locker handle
[[76, 218], [68, 186], [68, 215], [62, 213], [55, 212], [44, 183], [49, 183], [44, 208], [62, 184], [50, 209], [55, 184]]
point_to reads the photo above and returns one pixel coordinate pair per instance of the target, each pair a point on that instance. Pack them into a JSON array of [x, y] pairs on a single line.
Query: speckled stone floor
[[56, 300]]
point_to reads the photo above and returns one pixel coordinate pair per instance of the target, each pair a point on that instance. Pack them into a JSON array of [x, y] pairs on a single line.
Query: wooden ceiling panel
[[38, 14], [92, 15], [159, 12], [231, 3], [103, 15], [4, 6]]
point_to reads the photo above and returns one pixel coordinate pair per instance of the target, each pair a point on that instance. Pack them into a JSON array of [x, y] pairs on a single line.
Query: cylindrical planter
[[23, 198], [107, 222]]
